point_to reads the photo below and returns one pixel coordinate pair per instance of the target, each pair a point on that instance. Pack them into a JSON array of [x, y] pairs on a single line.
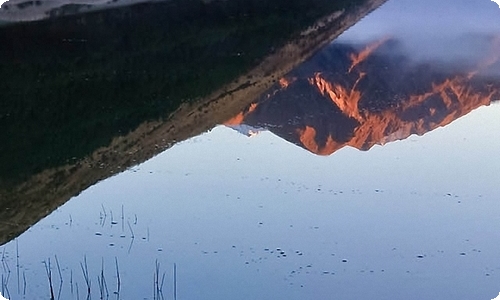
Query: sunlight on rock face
[[186, 205]]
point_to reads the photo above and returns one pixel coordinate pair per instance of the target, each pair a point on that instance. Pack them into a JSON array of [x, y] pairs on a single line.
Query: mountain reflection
[[85, 97], [362, 95]]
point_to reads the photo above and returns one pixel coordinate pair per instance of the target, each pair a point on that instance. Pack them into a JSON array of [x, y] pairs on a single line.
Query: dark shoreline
[[95, 145], [70, 85]]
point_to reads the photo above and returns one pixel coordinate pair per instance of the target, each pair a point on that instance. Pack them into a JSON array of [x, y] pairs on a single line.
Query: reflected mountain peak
[[97, 95], [90, 95], [307, 137], [360, 98]]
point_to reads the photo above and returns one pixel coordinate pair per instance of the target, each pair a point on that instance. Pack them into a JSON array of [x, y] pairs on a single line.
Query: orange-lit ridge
[[456, 94], [285, 82], [346, 99], [238, 119], [357, 58], [307, 137]]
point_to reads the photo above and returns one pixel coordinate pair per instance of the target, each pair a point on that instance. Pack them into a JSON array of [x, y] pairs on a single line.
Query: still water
[[370, 171]]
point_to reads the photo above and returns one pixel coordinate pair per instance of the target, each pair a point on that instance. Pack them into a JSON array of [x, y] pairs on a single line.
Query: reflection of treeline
[[69, 85]]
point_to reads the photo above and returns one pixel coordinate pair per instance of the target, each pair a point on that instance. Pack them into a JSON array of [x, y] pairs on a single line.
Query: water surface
[[373, 174]]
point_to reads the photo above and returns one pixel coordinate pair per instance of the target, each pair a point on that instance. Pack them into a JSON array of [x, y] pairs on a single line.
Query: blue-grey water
[[262, 218]]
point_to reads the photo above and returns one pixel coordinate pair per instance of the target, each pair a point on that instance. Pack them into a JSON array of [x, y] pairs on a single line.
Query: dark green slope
[[69, 85]]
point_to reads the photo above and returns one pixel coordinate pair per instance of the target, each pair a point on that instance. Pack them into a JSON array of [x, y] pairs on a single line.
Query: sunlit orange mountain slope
[[361, 96]]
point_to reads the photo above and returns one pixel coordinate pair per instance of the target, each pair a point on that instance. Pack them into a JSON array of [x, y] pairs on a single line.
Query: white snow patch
[[32, 10]]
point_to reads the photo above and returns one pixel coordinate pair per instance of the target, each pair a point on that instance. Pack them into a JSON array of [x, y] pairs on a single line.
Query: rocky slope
[[359, 96]]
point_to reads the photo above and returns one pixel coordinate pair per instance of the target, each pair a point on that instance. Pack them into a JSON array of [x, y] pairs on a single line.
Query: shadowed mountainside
[[70, 85], [362, 95], [87, 97]]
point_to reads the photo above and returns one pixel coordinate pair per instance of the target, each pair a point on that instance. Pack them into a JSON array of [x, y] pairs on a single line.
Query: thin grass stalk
[[17, 266], [48, 270], [85, 272], [24, 283], [175, 281]]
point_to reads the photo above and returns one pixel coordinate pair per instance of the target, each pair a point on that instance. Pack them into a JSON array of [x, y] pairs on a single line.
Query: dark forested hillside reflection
[[70, 85], [365, 94], [85, 97], [126, 171]]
